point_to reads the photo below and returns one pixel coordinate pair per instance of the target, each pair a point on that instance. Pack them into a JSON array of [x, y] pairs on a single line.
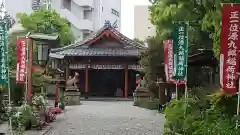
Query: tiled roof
[[79, 44], [98, 52]]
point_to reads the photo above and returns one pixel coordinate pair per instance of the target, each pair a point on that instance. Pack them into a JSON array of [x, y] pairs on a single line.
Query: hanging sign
[[3, 52], [180, 51], [168, 59], [21, 60], [105, 66], [229, 62], [99, 66], [168, 62]]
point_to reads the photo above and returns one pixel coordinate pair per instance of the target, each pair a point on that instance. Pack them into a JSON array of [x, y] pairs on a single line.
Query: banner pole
[[8, 82], [186, 66], [238, 101], [176, 90], [26, 79]]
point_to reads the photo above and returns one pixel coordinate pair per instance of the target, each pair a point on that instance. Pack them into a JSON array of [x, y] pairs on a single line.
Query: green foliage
[[151, 60], [47, 22], [203, 16], [203, 114], [138, 40], [151, 105], [39, 80], [22, 119]]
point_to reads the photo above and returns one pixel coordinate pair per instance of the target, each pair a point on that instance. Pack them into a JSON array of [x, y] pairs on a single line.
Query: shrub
[[202, 114], [23, 118]]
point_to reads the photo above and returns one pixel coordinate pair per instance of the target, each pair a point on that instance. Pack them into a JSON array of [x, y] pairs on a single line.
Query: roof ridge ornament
[[107, 23]]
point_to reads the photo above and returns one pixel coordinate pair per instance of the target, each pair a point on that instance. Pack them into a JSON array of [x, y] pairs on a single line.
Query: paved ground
[[108, 118]]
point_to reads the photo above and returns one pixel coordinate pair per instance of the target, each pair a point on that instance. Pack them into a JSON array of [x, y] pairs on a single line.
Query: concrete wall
[[142, 26]]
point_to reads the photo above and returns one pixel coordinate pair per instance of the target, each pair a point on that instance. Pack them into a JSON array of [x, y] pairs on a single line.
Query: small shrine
[[106, 63]]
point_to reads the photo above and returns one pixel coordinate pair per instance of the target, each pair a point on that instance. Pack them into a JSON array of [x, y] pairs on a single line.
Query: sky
[[127, 16]]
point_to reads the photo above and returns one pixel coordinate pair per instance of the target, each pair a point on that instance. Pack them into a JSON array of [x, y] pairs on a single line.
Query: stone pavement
[[107, 118]]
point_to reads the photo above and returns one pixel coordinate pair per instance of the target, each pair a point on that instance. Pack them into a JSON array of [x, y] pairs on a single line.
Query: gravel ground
[[107, 118]]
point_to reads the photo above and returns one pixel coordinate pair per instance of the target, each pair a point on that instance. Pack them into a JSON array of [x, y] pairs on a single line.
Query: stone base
[[141, 95], [72, 97]]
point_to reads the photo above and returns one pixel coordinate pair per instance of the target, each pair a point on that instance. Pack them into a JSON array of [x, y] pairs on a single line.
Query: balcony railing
[[88, 4], [86, 24]]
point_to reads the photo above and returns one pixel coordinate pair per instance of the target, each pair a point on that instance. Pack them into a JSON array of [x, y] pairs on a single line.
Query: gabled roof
[[104, 31]]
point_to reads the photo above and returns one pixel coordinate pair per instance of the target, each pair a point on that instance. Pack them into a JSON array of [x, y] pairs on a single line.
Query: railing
[[36, 4]]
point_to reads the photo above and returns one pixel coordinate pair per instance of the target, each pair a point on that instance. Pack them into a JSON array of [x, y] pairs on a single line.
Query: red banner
[[168, 61], [21, 60], [229, 46]]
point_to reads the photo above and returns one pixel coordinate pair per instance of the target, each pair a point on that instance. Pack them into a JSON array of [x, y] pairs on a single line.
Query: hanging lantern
[[43, 50]]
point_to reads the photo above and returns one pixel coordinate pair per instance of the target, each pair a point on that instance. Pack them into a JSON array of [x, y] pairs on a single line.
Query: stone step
[[4, 128], [106, 99]]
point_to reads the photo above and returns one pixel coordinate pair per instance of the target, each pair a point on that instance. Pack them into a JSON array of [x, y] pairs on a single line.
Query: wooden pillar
[[67, 72], [29, 84], [126, 82], [86, 81], [57, 91], [161, 93]]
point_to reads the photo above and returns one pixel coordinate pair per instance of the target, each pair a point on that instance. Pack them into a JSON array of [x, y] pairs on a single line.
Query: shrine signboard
[[180, 51], [229, 41], [3, 54], [105, 66], [21, 60]]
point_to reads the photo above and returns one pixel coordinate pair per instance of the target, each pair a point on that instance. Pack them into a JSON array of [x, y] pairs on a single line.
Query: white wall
[[107, 14], [16, 6], [142, 25]]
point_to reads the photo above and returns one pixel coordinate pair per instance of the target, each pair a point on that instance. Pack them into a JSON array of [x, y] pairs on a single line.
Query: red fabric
[[168, 62], [229, 42], [56, 110], [21, 60], [138, 78]]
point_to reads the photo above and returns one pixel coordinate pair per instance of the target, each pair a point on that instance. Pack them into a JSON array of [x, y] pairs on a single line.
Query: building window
[[85, 34], [66, 4], [115, 12], [87, 14]]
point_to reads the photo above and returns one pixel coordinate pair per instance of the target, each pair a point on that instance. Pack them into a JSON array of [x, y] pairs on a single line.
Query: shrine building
[[106, 61]]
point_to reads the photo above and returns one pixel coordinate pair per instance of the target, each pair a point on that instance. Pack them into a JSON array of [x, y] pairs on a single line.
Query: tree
[[204, 17], [138, 40], [152, 60], [47, 22], [164, 13]]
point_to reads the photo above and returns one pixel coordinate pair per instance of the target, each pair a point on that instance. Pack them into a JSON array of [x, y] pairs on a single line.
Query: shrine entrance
[[106, 82], [107, 61]]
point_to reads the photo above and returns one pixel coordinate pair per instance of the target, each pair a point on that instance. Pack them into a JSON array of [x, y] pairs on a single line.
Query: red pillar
[[126, 83], [86, 79], [29, 84], [56, 92]]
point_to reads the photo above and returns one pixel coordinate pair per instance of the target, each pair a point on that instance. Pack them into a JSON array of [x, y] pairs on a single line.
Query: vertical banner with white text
[[180, 51], [168, 59], [230, 41], [21, 60], [3, 54]]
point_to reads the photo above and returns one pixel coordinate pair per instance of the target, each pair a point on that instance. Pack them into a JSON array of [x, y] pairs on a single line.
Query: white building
[[85, 16], [143, 28]]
